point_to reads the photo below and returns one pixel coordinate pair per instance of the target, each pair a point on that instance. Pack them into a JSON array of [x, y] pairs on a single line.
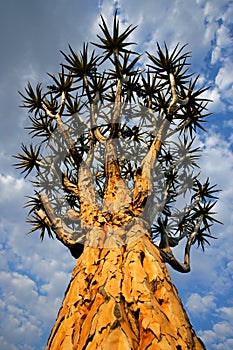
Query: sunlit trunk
[[122, 298]]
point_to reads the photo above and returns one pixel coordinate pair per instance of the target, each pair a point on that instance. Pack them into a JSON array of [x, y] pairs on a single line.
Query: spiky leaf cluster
[[87, 104]]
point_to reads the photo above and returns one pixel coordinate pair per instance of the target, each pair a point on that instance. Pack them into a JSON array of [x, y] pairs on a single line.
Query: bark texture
[[122, 298]]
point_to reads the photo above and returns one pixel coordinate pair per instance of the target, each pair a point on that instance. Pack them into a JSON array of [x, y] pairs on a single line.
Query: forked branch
[[167, 253]]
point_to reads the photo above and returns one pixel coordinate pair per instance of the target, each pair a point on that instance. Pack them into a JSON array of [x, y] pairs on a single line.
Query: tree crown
[[116, 145]]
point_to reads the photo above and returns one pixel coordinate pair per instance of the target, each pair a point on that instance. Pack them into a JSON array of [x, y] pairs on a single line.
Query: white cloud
[[228, 13], [19, 293], [217, 16], [224, 81], [33, 279], [216, 54], [198, 304], [214, 94], [31, 297], [224, 78], [223, 330], [208, 336], [10, 185], [213, 10], [220, 337], [226, 313], [228, 344], [217, 151], [222, 45]]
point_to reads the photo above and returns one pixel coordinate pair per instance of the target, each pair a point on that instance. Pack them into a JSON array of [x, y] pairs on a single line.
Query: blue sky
[[34, 275]]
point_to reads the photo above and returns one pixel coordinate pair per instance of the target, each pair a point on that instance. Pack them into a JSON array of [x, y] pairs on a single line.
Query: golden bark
[[122, 298]]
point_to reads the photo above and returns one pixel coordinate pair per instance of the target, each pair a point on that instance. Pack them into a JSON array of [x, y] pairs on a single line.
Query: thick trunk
[[122, 298]]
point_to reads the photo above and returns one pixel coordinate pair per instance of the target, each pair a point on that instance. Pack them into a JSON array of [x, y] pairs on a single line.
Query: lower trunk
[[122, 298]]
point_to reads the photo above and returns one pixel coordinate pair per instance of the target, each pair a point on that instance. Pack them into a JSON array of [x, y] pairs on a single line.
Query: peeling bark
[[122, 298]]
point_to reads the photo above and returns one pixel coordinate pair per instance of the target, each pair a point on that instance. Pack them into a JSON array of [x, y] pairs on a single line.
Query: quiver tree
[[117, 182]]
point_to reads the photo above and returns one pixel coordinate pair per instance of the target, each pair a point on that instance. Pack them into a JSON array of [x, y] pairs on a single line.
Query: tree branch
[[175, 99], [70, 187], [143, 185], [90, 214], [168, 256], [115, 121], [74, 156], [116, 192], [93, 103], [63, 233], [95, 129]]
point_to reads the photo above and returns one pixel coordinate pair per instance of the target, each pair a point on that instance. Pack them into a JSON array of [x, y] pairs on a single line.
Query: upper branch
[[143, 179], [175, 99], [93, 106], [115, 121], [74, 155], [116, 194]]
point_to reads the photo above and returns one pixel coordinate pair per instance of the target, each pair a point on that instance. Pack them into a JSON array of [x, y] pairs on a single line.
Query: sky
[[34, 275]]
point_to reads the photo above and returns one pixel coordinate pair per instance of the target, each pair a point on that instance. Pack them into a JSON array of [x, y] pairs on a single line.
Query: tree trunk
[[122, 298]]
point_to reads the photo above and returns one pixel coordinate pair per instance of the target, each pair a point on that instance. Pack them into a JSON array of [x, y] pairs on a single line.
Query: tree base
[[122, 299]]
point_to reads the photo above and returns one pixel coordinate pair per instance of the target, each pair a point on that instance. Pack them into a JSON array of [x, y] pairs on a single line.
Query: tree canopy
[[113, 141]]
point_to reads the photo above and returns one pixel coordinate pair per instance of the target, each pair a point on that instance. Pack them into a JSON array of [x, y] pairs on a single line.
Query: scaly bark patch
[[122, 298]]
